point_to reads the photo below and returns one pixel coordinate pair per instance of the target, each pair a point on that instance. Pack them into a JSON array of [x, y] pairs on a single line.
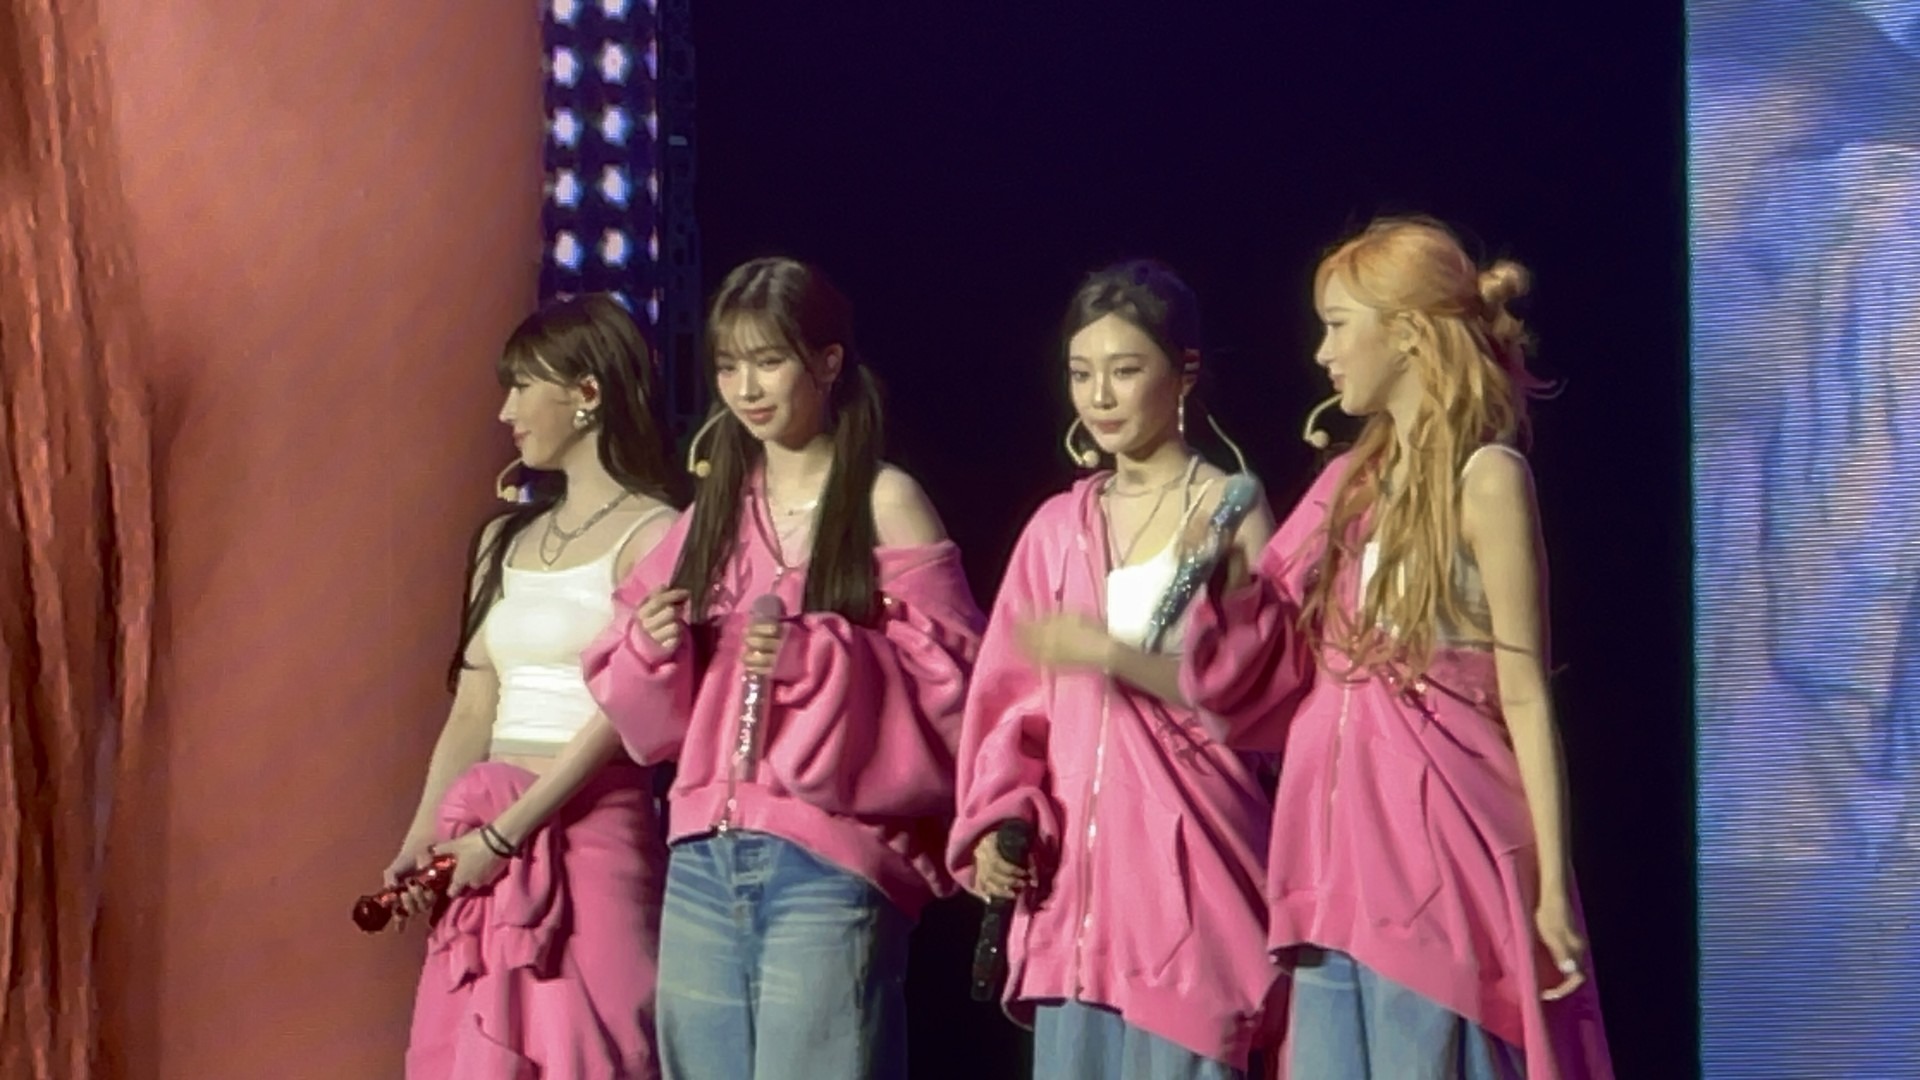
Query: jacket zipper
[[1086, 865]]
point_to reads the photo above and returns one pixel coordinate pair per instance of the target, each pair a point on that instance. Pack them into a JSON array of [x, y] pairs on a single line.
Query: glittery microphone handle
[[373, 913]]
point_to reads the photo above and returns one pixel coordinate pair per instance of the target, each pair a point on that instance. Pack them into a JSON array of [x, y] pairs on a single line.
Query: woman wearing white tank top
[[543, 961]]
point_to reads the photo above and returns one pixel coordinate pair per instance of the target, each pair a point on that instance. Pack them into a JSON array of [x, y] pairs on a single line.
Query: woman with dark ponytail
[[801, 643]]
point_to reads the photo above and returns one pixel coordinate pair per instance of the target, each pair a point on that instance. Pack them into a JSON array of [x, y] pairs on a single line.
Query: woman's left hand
[[762, 646], [475, 865], [1554, 921], [1065, 641]]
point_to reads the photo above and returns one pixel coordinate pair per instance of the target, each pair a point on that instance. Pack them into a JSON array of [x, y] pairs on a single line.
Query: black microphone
[[1012, 839], [1237, 499], [753, 693]]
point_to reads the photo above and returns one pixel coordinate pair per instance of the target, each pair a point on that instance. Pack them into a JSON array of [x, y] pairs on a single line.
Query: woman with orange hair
[[1394, 643]]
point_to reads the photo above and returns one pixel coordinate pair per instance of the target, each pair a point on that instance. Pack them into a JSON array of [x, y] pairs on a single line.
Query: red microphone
[[373, 913]]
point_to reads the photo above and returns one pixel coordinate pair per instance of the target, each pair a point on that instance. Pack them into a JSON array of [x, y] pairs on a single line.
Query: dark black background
[[957, 167]]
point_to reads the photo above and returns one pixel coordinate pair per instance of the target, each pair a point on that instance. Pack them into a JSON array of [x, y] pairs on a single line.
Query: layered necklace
[[554, 539], [1123, 554]]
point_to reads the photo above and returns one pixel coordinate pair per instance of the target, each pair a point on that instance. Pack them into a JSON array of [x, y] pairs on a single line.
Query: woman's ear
[[832, 358]]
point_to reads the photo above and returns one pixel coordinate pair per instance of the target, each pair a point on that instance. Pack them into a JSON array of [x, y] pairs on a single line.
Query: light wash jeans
[[1076, 1041], [777, 965], [1348, 1023]]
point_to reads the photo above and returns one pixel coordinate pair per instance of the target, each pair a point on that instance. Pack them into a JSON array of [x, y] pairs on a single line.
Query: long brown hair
[[799, 307], [1469, 353], [568, 342]]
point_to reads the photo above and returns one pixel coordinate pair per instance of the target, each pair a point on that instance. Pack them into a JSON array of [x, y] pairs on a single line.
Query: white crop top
[[1466, 573], [534, 635], [1133, 592]]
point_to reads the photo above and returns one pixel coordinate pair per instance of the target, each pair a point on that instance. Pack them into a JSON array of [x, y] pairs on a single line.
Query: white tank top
[[534, 635], [1133, 592]]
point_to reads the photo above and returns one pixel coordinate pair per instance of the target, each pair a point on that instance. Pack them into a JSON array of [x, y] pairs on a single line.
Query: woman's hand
[[1554, 921], [659, 615], [1065, 641], [762, 646], [475, 865], [994, 878], [415, 853]]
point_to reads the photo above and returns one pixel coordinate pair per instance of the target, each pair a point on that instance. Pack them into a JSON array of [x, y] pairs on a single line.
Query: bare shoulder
[[902, 514], [1496, 492], [1257, 528], [484, 544], [644, 539]]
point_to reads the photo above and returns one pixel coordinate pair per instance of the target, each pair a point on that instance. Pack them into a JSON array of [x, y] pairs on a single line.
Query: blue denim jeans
[[1076, 1041], [1348, 1023], [777, 965]]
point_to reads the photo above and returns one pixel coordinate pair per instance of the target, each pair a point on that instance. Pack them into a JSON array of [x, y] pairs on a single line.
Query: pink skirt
[[549, 973]]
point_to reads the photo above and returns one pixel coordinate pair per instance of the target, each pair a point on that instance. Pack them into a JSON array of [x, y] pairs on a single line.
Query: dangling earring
[[696, 464], [1182, 418], [1086, 459], [582, 418]]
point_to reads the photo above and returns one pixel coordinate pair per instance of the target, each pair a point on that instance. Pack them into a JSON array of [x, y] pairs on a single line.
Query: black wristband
[[496, 843]]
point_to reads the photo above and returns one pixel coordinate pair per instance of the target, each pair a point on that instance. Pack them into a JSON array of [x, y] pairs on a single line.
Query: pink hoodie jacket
[[856, 761], [1151, 835], [1401, 831]]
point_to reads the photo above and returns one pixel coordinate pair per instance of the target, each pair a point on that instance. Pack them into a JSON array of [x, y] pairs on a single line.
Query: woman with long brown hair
[[1419, 884], [801, 643], [543, 962]]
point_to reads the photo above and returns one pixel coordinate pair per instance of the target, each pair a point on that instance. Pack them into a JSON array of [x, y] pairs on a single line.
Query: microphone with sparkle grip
[[373, 912], [1237, 500], [753, 692], [1013, 839]]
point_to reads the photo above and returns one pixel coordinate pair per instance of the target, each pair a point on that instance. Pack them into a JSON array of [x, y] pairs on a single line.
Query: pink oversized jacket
[[1151, 835], [1401, 834], [857, 751]]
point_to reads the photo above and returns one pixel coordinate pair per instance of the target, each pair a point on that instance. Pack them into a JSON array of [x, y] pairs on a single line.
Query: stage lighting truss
[[602, 213]]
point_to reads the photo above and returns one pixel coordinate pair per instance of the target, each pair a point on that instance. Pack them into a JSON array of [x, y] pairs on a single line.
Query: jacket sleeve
[[1247, 664], [867, 720], [644, 690], [1004, 770]]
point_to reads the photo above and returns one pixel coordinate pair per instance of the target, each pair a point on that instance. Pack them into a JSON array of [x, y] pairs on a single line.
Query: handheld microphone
[[1013, 839], [1237, 500], [372, 913], [753, 693]]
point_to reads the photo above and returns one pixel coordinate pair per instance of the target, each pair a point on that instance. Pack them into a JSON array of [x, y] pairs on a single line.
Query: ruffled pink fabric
[[550, 972]]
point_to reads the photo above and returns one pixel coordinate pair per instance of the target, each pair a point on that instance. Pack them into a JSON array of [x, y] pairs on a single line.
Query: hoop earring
[[700, 467], [1086, 459]]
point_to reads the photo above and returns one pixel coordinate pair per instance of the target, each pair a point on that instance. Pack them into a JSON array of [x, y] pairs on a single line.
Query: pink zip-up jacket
[[1401, 831], [857, 748], [1150, 834]]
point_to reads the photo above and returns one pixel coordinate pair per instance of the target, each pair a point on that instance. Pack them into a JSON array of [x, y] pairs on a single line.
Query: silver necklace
[[558, 538]]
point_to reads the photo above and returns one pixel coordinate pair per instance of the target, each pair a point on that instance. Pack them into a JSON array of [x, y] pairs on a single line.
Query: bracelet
[[496, 843]]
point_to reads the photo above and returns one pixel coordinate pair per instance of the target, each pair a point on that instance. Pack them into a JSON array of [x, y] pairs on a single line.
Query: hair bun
[[1503, 283]]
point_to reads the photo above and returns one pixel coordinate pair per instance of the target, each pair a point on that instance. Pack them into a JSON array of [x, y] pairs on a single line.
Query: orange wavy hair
[[1469, 354]]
